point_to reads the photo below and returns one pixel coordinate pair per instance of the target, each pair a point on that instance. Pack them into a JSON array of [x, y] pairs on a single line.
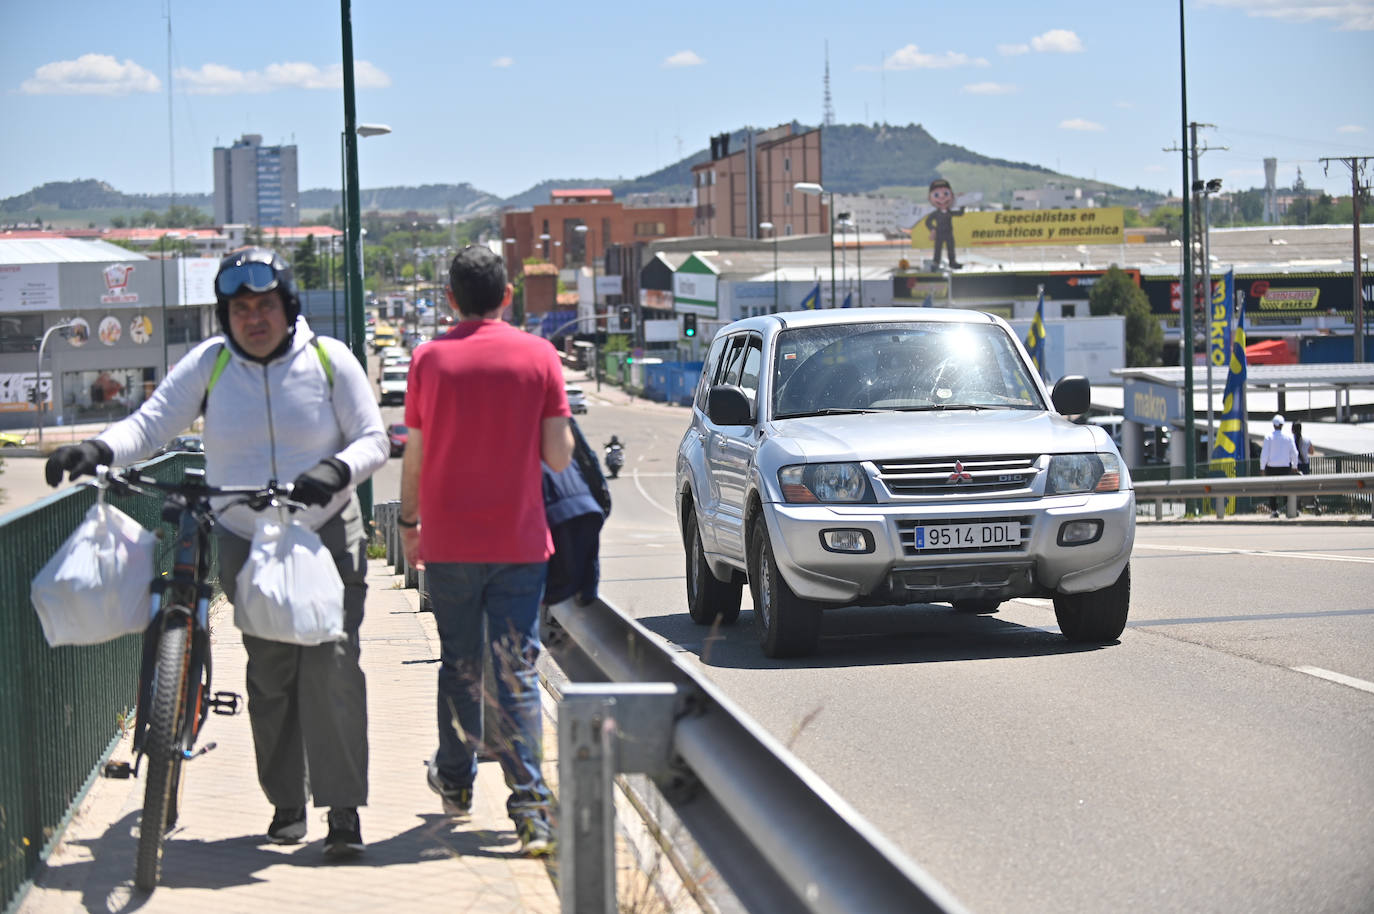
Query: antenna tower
[[827, 109]]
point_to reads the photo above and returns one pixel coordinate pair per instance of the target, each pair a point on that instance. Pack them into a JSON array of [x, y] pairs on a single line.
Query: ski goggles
[[254, 276]]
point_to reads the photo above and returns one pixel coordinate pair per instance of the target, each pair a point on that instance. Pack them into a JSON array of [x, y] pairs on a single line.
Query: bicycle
[[174, 695]]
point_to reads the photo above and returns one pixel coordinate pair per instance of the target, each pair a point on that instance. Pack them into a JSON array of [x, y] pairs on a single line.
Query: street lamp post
[[586, 232], [1206, 190], [38, 377], [842, 220], [774, 233], [162, 273], [812, 189]]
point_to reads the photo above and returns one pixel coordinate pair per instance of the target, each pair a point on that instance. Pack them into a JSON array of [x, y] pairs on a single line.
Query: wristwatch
[[409, 525]]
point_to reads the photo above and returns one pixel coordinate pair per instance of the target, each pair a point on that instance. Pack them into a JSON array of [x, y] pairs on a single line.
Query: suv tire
[[708, 599], [1098, 616], [787, 625]]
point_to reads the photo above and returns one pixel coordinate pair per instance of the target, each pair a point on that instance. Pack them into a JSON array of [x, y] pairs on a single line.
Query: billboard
[[1094, 225]]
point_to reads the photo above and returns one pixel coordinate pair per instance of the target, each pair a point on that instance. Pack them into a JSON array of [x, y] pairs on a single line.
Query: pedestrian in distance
[[1305, 451], [278, 401], [1278, 457], [485, 404]]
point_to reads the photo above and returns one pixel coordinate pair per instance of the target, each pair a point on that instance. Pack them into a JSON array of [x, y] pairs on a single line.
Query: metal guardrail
[[60, 708], [779, 837], [1221, 487]]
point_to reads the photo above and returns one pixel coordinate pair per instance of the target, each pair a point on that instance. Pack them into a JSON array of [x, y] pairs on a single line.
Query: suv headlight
[[845, 483], [1077, 473]]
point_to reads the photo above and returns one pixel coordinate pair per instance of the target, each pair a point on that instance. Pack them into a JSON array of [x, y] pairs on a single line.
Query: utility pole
[[1358, 166]]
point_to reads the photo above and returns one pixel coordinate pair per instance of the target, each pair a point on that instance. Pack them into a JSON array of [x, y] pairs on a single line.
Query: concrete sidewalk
[[216, 859]]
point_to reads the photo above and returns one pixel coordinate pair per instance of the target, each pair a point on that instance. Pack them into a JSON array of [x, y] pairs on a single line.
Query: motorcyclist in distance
[[615, 456]]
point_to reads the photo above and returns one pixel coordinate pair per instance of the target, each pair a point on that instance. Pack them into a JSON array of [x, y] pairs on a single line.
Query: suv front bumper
[[892, 570]]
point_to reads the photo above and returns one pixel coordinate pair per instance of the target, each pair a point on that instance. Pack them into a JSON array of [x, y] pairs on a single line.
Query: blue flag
[[848, 301], [1035, 338], [813, 299], [1230, 446], [929, 301], [1219, 319]]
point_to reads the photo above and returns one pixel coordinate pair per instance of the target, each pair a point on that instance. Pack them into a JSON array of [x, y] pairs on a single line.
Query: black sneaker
[[536, 837], [288, 825], [457, 800], [345, 837]]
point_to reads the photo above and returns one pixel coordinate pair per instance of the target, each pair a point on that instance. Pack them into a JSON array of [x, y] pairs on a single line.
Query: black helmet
[[258, 270]]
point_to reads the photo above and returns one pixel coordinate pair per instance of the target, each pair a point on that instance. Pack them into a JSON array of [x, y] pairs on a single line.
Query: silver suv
[[891, 456]]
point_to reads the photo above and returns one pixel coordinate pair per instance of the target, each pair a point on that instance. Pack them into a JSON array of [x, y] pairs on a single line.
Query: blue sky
[[503, 95]]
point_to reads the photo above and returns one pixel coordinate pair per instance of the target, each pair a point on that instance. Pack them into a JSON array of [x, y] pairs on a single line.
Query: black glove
[[317, 485], [80, 459]]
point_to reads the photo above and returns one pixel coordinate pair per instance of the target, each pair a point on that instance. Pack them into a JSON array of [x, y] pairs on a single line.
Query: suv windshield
[[918, 365]]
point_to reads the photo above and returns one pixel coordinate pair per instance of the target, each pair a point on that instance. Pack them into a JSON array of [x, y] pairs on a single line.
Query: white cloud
[[1012, 50], [217, 79], [90, 74], [502, 63], [1078, 123], [683, 59], [913, 58], [1349, 15], [990, 88], [1123, 104], [1057, 41], [1350, 128]]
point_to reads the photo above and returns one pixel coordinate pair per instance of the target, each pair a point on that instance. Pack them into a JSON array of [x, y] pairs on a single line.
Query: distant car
[[186, 443], [577, 400], [397, 434], [883, 456], [393, 384], [11, 439]]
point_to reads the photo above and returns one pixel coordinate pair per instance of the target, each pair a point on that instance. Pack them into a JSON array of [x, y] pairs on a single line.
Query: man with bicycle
[[278, 401]]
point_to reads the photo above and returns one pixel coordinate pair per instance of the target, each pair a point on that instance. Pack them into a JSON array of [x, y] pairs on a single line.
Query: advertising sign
[[1151, 404], [660, 331], [196, 282], [1219, 321], [608, 285], [695, 292], [28, 286], [1097, 225]]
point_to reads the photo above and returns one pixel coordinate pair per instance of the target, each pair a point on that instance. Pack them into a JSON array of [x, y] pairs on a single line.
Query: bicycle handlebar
[[256, 497]]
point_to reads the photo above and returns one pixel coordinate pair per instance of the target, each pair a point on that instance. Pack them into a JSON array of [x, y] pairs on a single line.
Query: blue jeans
[[506, 597]]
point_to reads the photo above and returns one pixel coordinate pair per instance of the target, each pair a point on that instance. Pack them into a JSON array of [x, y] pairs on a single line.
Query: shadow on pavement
[[870, 636]]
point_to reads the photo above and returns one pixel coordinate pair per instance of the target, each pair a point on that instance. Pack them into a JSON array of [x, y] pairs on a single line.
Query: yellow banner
[[1099, 225]]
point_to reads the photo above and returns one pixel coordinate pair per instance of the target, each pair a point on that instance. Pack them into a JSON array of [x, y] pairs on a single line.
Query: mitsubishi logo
[[959, 475]]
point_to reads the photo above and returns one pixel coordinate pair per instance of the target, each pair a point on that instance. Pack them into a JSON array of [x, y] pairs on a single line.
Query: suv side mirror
[[1072, 395], [728, 405]]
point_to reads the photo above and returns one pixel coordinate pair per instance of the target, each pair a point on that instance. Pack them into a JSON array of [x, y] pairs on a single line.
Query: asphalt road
[[1213, 760]]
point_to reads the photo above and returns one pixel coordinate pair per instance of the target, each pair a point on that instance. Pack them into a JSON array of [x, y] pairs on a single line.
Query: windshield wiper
[[832, 411], [938, 407]]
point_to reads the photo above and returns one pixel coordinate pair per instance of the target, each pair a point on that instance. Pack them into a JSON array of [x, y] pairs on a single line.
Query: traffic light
[[627, 317], [689, 324]]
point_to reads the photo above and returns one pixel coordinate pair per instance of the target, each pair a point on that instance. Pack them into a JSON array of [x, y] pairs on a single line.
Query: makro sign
[[1097, 225], [1150, 404]]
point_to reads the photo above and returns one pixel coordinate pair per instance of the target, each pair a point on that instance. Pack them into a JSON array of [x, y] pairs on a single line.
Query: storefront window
[[20, 332]]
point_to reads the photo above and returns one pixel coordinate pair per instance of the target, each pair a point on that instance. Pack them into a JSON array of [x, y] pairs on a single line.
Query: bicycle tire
[[164, 766]]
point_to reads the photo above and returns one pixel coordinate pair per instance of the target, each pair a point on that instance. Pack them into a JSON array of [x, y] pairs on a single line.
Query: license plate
[[968, 536]]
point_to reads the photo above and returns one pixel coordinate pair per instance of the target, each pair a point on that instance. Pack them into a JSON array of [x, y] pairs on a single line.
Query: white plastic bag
[[95, 587], [289, 589]]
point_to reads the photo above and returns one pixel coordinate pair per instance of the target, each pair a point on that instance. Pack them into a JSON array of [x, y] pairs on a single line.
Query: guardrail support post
[[603, 729]]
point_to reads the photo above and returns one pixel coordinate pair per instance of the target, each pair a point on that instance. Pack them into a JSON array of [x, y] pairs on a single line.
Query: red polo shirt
[[479, 395]]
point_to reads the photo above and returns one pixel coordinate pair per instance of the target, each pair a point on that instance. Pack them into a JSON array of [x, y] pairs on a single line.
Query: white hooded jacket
[[264, 421]]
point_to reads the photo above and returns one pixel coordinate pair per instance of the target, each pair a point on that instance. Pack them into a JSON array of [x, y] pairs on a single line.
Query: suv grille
[[950, 476], [906, 531]]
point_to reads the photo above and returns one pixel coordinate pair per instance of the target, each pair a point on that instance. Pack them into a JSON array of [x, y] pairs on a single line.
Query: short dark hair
[[477, 277], [940, 182]]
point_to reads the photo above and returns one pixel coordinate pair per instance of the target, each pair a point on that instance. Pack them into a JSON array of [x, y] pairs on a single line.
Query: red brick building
[[752, 183], [550, 231]]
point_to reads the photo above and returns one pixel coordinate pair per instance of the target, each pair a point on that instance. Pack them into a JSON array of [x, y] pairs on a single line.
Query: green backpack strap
[[222, 362]]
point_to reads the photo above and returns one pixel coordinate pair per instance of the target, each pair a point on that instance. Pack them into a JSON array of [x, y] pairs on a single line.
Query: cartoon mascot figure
[[941, 222]]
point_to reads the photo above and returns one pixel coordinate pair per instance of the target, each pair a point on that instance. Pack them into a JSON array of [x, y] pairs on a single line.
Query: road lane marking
[[1341, 678], [1219, 550], [649, 498]]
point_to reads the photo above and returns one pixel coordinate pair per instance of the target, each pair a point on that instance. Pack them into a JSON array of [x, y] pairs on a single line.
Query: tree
[[309, 274], [1115, 293]]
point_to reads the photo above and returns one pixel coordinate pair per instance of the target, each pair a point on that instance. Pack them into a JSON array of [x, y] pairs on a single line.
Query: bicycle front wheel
[[167, 703]]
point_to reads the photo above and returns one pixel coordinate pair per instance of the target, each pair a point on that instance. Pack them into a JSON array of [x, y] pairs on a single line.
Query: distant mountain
[[858, 158]]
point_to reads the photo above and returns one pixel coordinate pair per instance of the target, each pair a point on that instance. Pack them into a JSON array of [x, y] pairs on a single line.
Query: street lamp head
[[809, 188], [373, 129], [1214, 185]]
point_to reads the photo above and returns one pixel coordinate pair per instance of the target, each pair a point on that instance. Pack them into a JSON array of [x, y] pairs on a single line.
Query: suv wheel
[[708, 599], [978, 607], [787, 625], [1096, 616]]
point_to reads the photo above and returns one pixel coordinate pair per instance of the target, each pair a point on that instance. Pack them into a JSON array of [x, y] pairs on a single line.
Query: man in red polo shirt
[[485, 405]]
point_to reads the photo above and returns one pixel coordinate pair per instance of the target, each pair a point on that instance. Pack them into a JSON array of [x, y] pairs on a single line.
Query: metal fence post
[[603, 729]]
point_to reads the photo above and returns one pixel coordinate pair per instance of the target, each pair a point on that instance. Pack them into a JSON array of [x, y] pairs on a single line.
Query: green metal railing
[[61, 709]]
